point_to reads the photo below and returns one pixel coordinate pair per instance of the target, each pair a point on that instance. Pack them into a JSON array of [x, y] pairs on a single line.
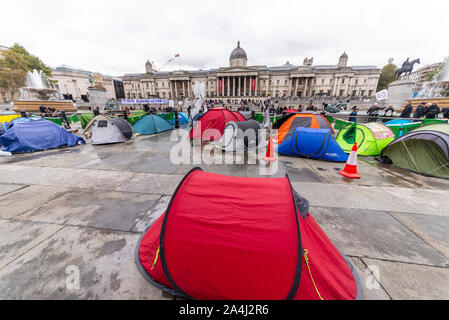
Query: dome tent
[[424, 150], [225, 237], [313, 143], [242, 136], [36, 135], [287, 124], [151, 124], [211, 125], [182, 119], [107, 130], [240, 116], [371, 138]]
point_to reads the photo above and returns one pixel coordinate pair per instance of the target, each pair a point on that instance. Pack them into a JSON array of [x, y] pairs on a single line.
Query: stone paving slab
[[27, 199], [151, 183], [8, 188], [87, 178], [382, 198], [94, 208], [20, 174], [372, 290], [375, 234], [17, 237], [152, 215], [432, 229], [404, 281], [105, 261]]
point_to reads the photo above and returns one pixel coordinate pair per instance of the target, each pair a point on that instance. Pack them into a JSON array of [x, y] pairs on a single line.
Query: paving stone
[[17, 237], [372, 290], [151, 183], [27, 199], [404, 281], [432, 229], [94, 208], [8, 188], [152, 215], [375, 234], [104, 259]]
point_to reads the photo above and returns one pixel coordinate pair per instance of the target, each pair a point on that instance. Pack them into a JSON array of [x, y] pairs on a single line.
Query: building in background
[[422, 75], [242, 81], [74, 83], [118, 88]]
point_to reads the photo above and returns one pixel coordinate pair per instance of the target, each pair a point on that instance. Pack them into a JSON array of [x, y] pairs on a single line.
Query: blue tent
[[37, 135], [182, 118], [151, 124], [313, 143], [398, 121]]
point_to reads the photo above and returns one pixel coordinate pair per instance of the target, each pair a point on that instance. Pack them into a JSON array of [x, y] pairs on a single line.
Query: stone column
[[256, 87], [216, 89], [290, 87], [238, 87], [268, 83], [183, 88], [229, 86], [233, 86], [304, 94], [334, 87], [244, 86]]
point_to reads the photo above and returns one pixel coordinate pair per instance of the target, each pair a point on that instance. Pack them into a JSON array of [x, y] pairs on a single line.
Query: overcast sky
[[118, 36]]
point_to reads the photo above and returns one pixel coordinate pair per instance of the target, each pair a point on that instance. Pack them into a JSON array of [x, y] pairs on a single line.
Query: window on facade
[[343, 81], [370, 93], [341, 93], [278, 82], [322, 81], [354, 93], [285, 82], [356, 81], [362, 93]]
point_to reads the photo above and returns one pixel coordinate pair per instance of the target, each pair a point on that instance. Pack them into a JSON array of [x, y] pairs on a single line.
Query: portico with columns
[[238, 80]]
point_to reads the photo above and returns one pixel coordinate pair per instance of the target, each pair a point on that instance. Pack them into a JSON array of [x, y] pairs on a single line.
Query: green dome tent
[[371, 138], [424, 150]]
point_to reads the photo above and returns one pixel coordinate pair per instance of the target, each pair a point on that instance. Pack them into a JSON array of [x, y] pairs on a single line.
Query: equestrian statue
[[407, 67]]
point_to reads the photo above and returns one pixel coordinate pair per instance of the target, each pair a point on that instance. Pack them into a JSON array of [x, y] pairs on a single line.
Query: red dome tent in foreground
[[211, 125], [226, 237]]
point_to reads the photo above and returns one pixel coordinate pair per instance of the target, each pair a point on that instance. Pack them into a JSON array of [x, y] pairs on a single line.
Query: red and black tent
[[211, 125], [226, 237]]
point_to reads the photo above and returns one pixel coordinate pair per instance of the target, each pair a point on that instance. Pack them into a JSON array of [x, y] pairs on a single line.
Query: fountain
[[435, 91], [38, 92], [199, 90]]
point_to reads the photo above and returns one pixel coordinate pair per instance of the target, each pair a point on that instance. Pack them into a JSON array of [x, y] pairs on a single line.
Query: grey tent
[[243, 136], [106, 130]]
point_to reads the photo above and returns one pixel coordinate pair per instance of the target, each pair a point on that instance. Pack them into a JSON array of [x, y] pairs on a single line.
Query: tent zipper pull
[[155, 259], [306, 259]]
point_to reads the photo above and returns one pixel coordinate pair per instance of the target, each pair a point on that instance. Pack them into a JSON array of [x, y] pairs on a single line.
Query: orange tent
[[286, 125]]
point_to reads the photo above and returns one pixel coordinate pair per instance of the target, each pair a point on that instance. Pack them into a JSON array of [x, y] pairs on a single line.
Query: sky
[[115, 37]]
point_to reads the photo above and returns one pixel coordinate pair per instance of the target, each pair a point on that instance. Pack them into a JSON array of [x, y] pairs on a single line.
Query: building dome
[[344, 55], [238, 53]]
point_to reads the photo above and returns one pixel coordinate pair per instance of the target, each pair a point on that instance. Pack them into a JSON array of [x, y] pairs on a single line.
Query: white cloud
[[117, 37]]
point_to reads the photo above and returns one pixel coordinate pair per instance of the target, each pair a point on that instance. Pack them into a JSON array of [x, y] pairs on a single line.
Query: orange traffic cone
[[350, 169], [270, 152]]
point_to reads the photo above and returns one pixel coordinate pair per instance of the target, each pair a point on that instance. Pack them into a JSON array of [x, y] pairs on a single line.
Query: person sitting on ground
[[96, 111], [419, 112], [432, 111], [310, 108], [407, 111], [353, 114]]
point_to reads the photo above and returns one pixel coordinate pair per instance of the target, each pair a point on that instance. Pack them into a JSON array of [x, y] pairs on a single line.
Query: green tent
[[85, 119], [424, 150], [260, 116], [371, 138], [340, 124]]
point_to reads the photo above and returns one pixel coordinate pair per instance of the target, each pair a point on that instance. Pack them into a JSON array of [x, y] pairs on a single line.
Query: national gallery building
[[242, 81]]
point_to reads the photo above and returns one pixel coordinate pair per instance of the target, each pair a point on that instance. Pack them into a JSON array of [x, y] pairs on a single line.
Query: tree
[[387, 76], [15, 62]]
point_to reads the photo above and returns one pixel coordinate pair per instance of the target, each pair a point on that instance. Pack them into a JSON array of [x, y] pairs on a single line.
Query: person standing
[[419, 112], [353, 114]]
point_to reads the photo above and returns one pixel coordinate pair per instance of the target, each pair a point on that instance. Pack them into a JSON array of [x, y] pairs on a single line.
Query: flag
[[350, 135], [177, 55], [382, 95]]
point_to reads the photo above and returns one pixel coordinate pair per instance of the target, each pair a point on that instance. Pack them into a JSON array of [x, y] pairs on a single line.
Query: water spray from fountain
[[199, 90], [37, 88]]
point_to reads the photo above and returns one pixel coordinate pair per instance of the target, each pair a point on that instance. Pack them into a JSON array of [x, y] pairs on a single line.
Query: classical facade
[[242, 81], [75, 83]]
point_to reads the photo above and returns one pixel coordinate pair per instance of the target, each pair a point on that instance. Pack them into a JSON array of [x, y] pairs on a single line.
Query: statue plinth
[[399, 91], [97, 96]]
